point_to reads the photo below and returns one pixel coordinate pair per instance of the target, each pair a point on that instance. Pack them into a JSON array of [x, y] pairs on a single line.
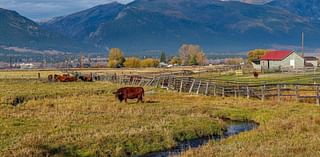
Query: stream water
[[233, 128]]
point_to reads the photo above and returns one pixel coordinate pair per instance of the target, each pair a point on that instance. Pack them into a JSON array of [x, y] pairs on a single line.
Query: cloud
[[44, 9]]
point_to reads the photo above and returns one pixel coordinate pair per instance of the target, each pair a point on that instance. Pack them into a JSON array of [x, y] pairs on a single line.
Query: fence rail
[[278, 92]]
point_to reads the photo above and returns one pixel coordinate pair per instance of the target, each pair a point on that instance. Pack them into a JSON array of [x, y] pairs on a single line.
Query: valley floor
[[84, 119]]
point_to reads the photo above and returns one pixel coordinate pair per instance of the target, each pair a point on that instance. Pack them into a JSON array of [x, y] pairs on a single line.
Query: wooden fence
[[278, 92]]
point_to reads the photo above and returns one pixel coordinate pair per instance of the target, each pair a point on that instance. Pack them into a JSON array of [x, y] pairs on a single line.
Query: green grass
[[80, 122], [84, 119], [265, 78], [292, 130]]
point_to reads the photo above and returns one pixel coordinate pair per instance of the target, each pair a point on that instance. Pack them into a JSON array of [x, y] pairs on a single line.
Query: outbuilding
[[312, 61], [281, 59]]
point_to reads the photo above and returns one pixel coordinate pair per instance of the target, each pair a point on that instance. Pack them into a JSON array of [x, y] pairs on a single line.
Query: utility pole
[[10, 60], [302, 43], [81, 61]]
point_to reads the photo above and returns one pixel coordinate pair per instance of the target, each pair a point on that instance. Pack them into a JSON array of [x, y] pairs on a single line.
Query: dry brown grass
[[290, 130], [77, 119]]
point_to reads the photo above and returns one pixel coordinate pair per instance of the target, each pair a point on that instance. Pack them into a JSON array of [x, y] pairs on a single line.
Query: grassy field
[[291, 130], [77, 119], [33, 74], [84, 119], [264, 78]]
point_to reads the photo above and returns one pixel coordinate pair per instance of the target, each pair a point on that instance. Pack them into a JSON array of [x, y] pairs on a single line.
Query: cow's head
[[119, 95]]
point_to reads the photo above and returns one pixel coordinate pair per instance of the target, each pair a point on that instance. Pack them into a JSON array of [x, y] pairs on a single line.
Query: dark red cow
[[130, 93], [256, 74], [50, 78], [86, 78], [65, 78]]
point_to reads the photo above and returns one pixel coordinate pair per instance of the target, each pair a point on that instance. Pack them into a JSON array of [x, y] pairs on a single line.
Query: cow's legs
[[140, 99]]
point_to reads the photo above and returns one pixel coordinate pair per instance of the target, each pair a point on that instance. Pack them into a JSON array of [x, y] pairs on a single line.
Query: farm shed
[[312, 61], [256, 63], [277, 60]]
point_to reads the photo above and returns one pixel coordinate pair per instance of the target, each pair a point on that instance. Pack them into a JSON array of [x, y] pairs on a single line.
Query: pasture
[[85, 119], [309, 77]]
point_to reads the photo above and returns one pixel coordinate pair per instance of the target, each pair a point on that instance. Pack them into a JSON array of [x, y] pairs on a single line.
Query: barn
[[281, 59]]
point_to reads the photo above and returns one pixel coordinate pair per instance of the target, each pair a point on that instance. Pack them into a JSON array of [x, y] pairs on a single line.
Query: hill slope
[[19, 31], [166, 24], [306, 8]]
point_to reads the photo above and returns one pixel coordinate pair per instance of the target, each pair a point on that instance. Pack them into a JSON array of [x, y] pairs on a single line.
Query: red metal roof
[[276, 55]]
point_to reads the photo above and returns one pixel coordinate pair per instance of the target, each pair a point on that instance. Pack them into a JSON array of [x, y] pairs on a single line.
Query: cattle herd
[[121, 94], [69, 78]]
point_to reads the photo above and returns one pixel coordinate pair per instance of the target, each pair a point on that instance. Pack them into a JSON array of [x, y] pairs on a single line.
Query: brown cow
[[50, 78], [86, 78], [65, 78], [130, 93], [255, 74]]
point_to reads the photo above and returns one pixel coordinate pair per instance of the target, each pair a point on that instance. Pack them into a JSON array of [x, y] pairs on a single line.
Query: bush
[[132, 62], [112, 64], [149, 62]]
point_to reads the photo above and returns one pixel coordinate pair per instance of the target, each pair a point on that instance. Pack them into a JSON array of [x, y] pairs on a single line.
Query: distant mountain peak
[[167, 24]]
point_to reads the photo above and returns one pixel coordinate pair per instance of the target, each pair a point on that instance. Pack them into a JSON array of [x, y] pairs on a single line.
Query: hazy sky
[[45, 9]]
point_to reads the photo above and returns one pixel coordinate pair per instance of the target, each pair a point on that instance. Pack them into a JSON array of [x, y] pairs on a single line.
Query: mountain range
[[19, 31], [145, 25]]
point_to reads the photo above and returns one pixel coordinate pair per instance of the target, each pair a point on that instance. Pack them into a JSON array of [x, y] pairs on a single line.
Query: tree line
[[189, 54]]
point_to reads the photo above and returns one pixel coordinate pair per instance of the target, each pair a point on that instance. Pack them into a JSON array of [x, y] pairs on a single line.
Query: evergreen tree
[[163, 57]]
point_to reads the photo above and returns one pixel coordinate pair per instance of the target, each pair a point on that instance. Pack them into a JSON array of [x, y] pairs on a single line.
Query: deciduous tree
[[175, 60], [191, 55], [256, 54], [149, 62], [116, 58], [132, 62]]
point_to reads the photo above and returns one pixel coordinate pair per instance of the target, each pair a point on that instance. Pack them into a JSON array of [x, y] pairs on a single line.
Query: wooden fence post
[[263, 92], [318, 96], [207, 88], [279, 92], [248, 93], [151, 82], [222, 91], [39, 76], [158, 82], [190, 90], [198, 90], [162, 82], [214, 90], [121, 79], [181, 86], [297, 93], [141, 80], [169, 82]]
